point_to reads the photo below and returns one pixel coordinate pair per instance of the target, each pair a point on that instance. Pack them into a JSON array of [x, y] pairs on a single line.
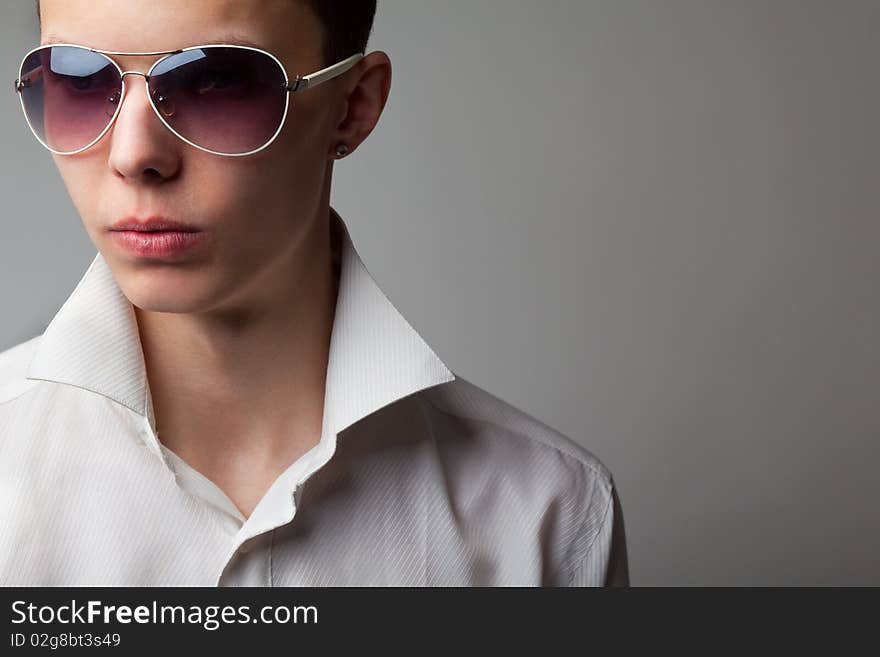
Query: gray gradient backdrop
[[651, 224]]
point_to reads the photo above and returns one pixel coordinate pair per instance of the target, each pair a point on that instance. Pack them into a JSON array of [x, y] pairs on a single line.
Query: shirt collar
[[376, 356]]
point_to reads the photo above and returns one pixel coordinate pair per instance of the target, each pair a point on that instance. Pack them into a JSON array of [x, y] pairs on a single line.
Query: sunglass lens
[[229, 100], [69, 95]]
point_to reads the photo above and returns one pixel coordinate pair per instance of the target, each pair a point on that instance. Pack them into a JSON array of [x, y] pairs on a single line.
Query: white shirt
[[420, 477]]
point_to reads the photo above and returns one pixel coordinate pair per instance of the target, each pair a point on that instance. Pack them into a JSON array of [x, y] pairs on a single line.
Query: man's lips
[[158, 244]]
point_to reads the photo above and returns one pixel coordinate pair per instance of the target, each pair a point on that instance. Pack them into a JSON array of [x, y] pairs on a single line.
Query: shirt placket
[[251, 563]]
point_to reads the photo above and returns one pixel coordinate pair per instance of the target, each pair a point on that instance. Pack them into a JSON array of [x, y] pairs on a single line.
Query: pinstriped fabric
[[420, 477], [92, 342], [376, 357], [600, 556], [76, 500]]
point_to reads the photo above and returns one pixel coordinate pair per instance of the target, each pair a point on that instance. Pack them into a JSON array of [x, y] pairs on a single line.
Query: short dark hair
[[347, 26]]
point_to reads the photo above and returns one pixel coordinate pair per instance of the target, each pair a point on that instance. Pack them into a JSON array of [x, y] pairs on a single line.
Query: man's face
[[256, 212]]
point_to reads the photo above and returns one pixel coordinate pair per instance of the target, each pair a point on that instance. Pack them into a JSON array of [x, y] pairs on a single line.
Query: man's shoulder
[[526, 486], [14, 363], [469, 416]]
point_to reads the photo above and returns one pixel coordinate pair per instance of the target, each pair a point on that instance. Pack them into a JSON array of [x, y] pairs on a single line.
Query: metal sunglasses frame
[[299, 83]]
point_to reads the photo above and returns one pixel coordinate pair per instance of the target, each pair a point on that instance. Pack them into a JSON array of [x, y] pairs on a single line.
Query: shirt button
[[247, 546]]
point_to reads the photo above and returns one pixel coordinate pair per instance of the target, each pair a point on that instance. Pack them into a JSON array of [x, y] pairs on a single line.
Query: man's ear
[[367, 86]]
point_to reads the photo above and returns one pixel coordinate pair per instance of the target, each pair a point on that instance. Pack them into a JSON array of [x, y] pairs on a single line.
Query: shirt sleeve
[[605, 562]]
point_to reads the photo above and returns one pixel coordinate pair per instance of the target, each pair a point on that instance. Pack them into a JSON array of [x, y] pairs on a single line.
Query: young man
[[231, 399]]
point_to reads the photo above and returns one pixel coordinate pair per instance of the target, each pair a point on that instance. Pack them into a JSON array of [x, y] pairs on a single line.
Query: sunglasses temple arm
[[316, 78]]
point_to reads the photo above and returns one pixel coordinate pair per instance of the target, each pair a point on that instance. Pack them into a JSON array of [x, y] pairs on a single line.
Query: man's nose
[[140, 140]]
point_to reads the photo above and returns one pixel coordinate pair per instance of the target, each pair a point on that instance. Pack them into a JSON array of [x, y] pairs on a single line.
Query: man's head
[[263, 216]]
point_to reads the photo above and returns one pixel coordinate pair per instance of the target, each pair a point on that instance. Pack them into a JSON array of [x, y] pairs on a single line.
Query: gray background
[[652, 225]]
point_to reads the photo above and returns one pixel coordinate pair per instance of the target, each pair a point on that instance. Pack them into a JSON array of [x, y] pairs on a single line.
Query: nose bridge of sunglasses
[[153, 96], [138, 67], [160, 94]]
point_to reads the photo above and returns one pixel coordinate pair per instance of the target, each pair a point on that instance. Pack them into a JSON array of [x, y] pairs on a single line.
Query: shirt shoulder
[[543, 479], [483, 415], [14, 363]]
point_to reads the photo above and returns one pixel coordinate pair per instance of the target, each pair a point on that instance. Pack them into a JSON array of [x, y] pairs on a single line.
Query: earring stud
[[341, 150]]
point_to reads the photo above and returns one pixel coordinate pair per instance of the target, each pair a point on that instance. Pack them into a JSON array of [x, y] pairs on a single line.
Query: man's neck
[[239, 393]]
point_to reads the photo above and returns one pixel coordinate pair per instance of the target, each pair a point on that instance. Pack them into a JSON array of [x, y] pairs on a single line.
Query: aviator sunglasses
[[221, 98]]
